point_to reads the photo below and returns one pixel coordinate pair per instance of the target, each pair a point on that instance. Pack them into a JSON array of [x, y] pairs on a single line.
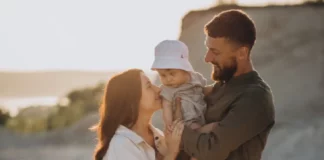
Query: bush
[[4, 116], [27, 125], [88, 98], [80, 103], [65, 116]]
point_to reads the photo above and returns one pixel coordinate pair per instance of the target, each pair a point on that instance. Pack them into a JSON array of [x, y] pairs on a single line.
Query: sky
[[91, 35]]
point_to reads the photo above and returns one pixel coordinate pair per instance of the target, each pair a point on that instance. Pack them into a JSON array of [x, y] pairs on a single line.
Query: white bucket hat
[[172, 54]]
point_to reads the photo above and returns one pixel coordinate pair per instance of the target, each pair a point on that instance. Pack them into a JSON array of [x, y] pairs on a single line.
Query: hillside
[[51, 83]]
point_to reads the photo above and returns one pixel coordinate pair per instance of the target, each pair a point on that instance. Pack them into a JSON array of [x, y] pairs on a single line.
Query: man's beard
[[224, 74]]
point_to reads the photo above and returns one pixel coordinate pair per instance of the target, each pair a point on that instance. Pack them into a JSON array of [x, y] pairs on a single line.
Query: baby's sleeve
[[190, 113], [202, 79], [166, 93]]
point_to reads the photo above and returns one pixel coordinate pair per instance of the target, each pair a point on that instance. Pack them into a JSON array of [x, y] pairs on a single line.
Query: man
[[240, 103]]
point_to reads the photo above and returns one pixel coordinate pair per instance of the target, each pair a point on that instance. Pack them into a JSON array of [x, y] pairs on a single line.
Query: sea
[[13, 104]]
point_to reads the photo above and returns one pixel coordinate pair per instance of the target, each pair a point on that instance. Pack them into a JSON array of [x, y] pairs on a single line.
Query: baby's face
[[173, 77]]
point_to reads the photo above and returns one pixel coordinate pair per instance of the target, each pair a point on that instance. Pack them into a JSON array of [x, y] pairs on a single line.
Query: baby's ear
[[202, 79], [208, 90]]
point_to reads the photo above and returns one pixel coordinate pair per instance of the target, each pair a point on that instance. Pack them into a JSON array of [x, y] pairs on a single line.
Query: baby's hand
[[208, 90]]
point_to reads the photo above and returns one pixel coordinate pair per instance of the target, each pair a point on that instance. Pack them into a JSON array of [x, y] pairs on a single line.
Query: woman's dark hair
[[119, 106]]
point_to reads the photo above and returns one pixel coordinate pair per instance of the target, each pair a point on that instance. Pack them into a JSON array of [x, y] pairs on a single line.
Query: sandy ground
[[298, 140], [48, 153]]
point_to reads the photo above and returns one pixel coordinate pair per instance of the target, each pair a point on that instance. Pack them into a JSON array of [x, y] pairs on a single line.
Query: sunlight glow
[[267, 2], [91, 35]]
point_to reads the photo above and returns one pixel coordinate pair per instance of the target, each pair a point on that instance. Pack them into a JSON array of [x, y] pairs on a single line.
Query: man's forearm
[[249, 116], [207, 127], [202, 145]]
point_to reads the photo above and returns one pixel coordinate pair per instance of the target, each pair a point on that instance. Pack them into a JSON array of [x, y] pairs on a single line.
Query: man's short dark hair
[[234, 25]]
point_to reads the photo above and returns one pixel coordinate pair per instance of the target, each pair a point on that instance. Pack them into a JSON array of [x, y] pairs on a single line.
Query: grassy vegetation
[[39, 118]]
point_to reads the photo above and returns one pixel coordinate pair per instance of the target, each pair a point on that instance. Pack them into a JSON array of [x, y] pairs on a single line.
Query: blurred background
[[56, 56]]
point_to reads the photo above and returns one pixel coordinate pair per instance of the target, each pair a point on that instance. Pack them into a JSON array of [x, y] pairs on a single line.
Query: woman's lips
[[158, 98]]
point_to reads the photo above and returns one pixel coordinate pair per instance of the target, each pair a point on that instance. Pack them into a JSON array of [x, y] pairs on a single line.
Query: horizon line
[[65, 70]]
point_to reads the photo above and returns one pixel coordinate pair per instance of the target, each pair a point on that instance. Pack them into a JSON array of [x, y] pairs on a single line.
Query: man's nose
[[208, 57]]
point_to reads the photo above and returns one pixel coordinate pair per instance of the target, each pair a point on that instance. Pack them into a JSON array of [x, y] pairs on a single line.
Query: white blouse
[[127, 145]]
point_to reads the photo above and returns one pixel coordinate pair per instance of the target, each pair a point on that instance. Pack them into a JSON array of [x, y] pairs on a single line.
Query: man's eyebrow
[[213, 49]]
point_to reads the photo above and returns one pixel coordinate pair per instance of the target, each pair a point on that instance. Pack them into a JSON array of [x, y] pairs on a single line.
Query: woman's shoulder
[[119, 141], [125, 136], [122, 145], [121, 148], [126, 144]]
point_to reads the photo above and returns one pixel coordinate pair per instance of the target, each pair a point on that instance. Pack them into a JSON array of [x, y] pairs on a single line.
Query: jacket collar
[[134, 137]]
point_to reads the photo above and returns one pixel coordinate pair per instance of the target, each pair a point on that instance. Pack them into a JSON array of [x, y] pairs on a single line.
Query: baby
[[179, 79]]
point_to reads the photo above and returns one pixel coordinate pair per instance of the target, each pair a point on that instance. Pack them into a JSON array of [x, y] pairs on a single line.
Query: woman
[[124, 129]]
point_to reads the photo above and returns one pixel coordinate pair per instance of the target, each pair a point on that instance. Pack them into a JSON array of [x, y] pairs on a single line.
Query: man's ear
[[243, 53]]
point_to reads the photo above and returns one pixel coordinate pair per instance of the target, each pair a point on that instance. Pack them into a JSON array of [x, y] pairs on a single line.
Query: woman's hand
[[174, 131], [173, 137]]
